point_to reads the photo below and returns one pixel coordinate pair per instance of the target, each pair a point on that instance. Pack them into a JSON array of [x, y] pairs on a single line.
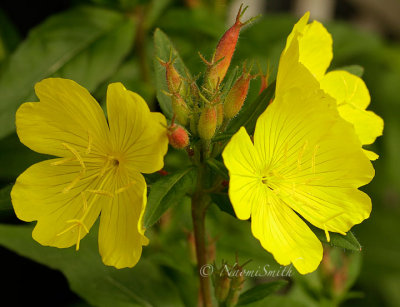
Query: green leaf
[[259, 292], [348, 241], [85, 44], [223, 203], [9, 37], [99, 285], [218, 167], [6, 209], [166, 192], [15, 157], [163, 50], [353, 69], [249, 114]]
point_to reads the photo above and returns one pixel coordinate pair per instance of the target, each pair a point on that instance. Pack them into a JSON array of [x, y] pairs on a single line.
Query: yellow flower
[[98, 170], [306, 162], [350, 92]]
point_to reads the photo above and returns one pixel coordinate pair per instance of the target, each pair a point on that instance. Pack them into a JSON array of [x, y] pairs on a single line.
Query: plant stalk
[[199, 208]]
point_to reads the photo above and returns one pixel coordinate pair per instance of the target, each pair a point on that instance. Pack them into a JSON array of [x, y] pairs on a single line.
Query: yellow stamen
[[301, 153], [76, 154], [85, 203], [73, 183], [62, 161], [120, 190], [80, 223], [313, 158], [328, 238], [89, 148], [101, 192]]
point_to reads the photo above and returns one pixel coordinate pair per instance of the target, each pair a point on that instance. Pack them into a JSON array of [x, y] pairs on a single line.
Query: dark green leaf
[[223, 203], [348, 241], [15, 157], [249, 114], [9, 37], [163, 50], [6, 209], [85, 44], [99, 285], [353, 69], [166, 192], [260, 291], [218, 167]]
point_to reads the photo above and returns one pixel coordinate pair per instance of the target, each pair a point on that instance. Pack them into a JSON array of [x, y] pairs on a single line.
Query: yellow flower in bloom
[[350, 92], [98, 170], [305, 162]]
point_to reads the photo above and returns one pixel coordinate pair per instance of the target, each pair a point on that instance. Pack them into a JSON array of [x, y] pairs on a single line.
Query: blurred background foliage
[[95, 42]]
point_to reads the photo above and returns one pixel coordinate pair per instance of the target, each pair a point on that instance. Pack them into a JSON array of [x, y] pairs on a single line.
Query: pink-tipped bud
[[237, 95], [264, 80], [207, 123], [174, 79], [220, 114], [224, 52], [180, 109], [178, 136]]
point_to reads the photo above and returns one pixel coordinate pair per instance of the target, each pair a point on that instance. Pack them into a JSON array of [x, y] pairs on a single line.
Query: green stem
[[199, 208]]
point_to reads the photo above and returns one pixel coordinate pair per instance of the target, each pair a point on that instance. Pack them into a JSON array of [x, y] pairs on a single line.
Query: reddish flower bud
[[174, 79], [224, 52], [207, 123], [178, 136], [237, 95], [180, 109]]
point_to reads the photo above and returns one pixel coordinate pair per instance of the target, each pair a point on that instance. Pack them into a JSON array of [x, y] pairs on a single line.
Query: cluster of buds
[[205, 110], [228, 282]]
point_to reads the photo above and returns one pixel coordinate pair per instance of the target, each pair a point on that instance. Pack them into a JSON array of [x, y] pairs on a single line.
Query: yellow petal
[[66, 113], [353, 98], [52, 195], [292, 73], [121, 234], [371, 155], [367, 124], [315, 45], [138, 134], [346, 88], [244, 165], [316, 49], [285, 235]]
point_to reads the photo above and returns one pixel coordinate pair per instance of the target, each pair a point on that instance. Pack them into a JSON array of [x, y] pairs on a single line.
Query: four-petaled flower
[[98, 170], [305, 162]]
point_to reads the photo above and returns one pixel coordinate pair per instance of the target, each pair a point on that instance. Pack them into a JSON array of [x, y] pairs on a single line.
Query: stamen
[[313, 158], [301, 152], [62, 161], [120, 190], [73, 183], [101, 192], [76, 154], [85, 204], [89, 148], [80, 223], [328, 238], [78, 241]]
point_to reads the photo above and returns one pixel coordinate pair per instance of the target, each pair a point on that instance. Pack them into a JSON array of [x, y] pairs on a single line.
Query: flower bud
[[180, 109], [220, 114], [207, 123], [174, 79], [222, 287], [224, 52], [178, 136], [237, 95]]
